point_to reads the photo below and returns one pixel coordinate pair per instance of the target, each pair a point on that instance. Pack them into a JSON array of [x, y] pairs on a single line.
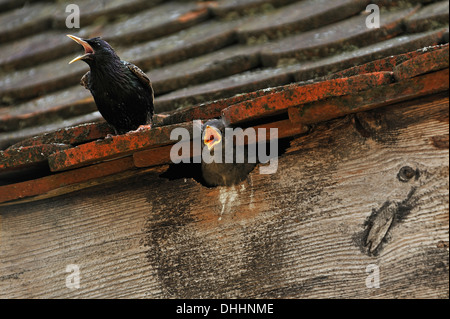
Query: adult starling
[[122, 92], [222, 174]]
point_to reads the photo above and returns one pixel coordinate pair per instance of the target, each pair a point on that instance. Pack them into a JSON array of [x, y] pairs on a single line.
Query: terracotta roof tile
[[398, 45], [45, 109], [376, 97], [228, 61], [195, 41], [222, 88], [69, 135], [48, 183], [28, 155], [428, 62], [210, 109], [51, 44], [35, 49], [116, 146], [161, 155], [433, 15], [301, 94], [228, 7], [159, 21], [9, 138], [36, 81], [6, 5], [385, 64]]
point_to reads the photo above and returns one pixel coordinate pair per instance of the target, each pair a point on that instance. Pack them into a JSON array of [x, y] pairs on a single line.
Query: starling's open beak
[[87, 48], [211, 137]]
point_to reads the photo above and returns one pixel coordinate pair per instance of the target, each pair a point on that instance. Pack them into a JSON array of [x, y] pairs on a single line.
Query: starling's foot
[[143, 128]]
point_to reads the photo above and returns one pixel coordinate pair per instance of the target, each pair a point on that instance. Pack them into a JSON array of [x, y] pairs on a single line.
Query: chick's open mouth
[[88, 50], [211, 137]]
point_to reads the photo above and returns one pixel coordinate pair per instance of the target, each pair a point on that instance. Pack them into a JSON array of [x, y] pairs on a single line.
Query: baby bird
[[222, 174]]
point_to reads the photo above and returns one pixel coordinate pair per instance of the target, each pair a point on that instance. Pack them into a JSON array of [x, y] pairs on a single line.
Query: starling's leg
[[143, 128]]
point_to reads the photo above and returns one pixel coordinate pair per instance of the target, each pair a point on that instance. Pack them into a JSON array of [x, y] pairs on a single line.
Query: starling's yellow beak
[[212, 137], [87, 48]]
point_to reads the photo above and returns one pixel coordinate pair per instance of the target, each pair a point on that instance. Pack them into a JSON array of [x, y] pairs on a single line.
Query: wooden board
[[366, 189]]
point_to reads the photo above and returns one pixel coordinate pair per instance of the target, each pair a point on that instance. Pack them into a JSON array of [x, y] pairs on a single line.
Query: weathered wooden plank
[[302, 232]]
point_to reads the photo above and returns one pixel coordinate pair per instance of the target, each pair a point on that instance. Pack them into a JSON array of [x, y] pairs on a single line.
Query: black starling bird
[[222, 174], [122, 92]]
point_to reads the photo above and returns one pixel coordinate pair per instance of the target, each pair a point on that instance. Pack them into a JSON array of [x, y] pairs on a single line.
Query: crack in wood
[[383, 220]]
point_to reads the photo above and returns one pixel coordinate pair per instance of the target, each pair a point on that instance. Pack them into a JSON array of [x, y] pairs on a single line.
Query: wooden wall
[[367, 189]]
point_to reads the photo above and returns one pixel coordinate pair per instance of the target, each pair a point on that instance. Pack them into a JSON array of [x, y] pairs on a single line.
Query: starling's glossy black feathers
[[223, 174], [122, 92]]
